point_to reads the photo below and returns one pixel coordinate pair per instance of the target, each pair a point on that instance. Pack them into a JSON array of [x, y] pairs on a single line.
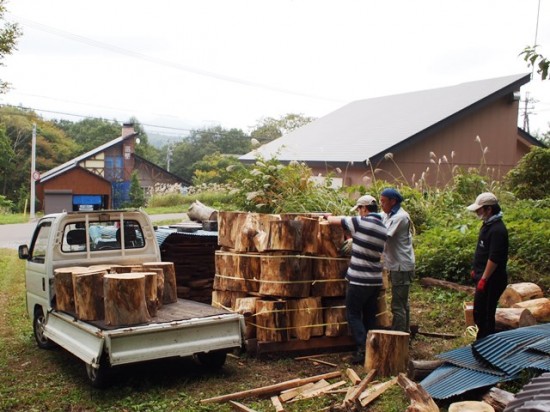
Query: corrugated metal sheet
[[496, 358], [163, 233], [535, 396], [449, 380]]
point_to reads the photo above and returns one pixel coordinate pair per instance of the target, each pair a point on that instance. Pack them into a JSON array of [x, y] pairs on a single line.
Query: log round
[[88, 294], [125, 303], [126, 268], [539, 308], [272, 321], [151, 295], [237, 272], [226, 299], [329, 277], [383, 315], [387, 351], [470, 406], [334, 317], [518, 292], [512, 318], [247, 308], [285, 276], [64, 290], [330, 239], [170, 290], [306, 317], [198, 211]]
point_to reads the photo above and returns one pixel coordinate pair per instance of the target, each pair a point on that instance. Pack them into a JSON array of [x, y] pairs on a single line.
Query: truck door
[[36, 275]]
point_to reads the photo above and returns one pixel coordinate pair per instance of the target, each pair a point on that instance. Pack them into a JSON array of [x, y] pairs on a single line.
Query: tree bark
[[329, 277], [419, 369], [383, 315], [498, 398], [285, 276], [170, 290], [226, 299], [198, 211], [247, 308], [304, 315], [64, 289], [539, 308], [387, 351], [330, 240], [512, 318], [335, 318], [125, 303], [88, 294], [272, 320], [421, 401], [151, 296], [237, 272], [519, 292], [447, 285]]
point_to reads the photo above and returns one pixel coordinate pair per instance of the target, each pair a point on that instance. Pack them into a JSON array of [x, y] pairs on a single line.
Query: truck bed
[[181, 310]]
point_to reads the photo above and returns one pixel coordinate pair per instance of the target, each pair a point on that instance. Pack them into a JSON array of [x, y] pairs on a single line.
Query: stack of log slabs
[[522, 304], [193, 258], [285, 274], [113, 294]]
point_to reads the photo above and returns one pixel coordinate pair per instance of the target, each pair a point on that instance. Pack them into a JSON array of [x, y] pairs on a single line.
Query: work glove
[[345, 249], [481, 285], [473, 274]]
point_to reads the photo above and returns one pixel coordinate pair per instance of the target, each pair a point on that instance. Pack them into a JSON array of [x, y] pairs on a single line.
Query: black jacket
[[492, 243]]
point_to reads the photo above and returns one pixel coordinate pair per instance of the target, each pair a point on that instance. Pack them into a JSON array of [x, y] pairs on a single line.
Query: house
[[100, 178], [415, 138]]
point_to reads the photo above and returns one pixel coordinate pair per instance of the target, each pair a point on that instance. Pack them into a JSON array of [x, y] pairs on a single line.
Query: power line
[[162, 62]]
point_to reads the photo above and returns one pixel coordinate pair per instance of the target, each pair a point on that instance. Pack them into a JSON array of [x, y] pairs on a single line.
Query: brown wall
[[496, 126], [77, 180]]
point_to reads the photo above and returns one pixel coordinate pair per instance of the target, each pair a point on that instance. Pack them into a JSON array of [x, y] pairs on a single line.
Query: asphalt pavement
[[11, 236]]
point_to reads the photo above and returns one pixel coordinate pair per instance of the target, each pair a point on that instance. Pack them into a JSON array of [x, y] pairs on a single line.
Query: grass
[[53, 380]]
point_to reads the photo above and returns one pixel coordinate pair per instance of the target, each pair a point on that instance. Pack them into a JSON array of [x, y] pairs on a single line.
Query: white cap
[[366, 200], [484, 199]]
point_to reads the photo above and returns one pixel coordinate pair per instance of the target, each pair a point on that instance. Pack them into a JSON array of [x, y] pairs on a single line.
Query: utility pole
[[168, 157], [527, 107], [33, 171]]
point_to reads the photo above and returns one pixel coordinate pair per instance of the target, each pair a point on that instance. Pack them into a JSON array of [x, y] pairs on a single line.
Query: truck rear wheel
[[38, 327], [99, 377], [212, 360]]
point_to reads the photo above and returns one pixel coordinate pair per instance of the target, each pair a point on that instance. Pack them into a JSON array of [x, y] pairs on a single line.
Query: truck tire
[[38, 323], [99, 377], [212, 360]]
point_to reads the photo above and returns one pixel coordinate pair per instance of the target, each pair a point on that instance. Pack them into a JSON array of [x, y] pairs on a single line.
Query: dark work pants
[[485, 306], [400, 287], [361, 307]]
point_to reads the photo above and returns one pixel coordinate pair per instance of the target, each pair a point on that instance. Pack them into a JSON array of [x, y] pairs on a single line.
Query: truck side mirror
[[23, 252]]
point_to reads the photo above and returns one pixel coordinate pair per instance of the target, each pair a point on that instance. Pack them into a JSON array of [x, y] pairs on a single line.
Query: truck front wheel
[[212, 360], [38, 326]]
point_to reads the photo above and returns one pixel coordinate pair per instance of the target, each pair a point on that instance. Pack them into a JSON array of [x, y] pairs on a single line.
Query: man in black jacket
[[490, 259]]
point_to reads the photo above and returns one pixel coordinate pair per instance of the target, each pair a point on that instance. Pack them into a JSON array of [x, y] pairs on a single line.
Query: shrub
[[530, 179]]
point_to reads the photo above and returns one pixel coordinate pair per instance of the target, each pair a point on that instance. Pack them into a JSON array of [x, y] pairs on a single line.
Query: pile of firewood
[[114, 294], [357, 393], [522, 304]]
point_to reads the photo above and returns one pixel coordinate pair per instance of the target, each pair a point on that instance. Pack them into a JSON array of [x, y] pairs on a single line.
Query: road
[[11, 236]]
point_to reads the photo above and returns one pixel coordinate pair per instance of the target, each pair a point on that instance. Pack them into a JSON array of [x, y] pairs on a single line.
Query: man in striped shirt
[[364, 274]]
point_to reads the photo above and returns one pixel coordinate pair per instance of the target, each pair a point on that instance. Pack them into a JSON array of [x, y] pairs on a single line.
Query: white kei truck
[[182, 329]]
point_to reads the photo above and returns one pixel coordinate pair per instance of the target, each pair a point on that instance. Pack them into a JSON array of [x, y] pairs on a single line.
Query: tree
[[136, 193], [269, 128], [90, 133], [203, 142], [9, 33], [530, 179], [533, 58], [215, 168]]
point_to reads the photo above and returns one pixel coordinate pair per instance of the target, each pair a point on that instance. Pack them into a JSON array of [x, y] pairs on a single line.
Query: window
[[103, 236], [40, 243]]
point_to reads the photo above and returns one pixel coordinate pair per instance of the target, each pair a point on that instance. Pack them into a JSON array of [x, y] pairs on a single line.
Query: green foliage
[[5, 205], [535, 59], [271, 187], [205, 142], [530, 179], [137, 194], [9, 32], [90, 133], [269, 128], [215, 168]]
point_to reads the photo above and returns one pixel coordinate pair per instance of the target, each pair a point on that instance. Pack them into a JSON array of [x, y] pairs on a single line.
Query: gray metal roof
[[535, 396], [495, 358], [367, 128]]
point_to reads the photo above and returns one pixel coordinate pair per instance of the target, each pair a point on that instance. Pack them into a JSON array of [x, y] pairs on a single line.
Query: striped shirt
[[369, 237]]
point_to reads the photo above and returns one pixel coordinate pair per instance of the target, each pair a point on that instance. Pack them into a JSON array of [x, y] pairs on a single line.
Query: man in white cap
[[364, 273], [490, 259]]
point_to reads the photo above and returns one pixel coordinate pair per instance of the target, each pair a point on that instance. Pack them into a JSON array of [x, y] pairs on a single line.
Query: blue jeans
[[400, 286], [361, 307]]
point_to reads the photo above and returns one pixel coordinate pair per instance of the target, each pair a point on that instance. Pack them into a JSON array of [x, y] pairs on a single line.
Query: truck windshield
[[102, 236]]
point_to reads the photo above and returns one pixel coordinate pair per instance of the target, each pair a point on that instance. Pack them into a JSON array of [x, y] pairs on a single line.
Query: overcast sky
[[190, 64]]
